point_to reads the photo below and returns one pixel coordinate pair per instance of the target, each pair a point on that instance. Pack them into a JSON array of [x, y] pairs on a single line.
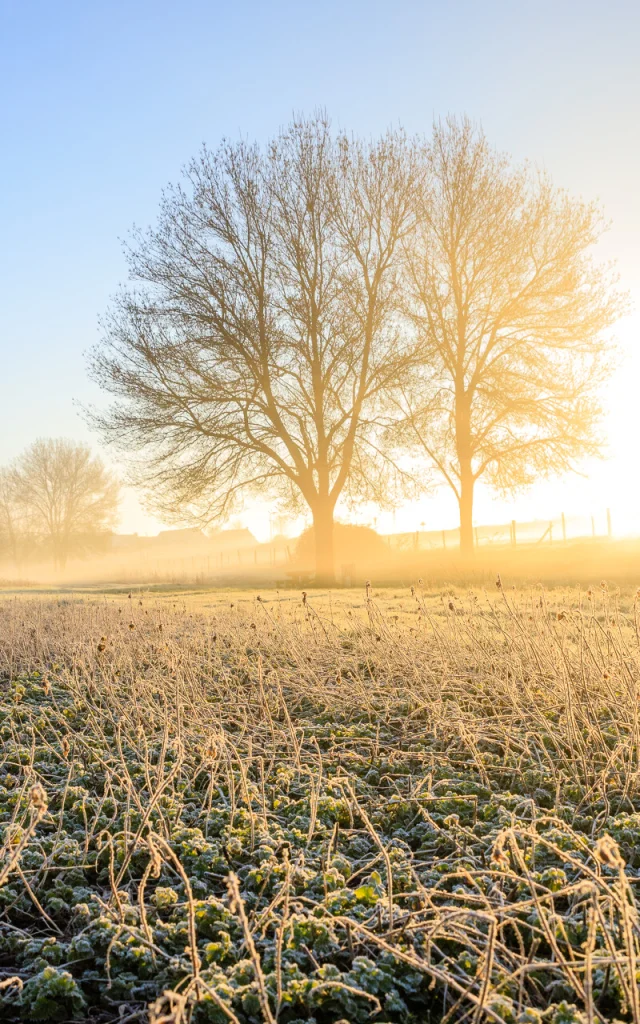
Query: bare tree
[[264, 340], [11, 520], [65, 494], [511, 310]]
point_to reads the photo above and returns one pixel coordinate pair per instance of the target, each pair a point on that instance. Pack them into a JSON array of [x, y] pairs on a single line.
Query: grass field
[[385, 806]]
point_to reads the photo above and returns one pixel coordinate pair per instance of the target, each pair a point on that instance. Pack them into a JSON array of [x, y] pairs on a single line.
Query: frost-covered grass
[[389, 808]]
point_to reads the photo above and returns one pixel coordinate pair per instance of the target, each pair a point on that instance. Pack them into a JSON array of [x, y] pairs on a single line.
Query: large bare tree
[[64, 494], [513, 314], [260, 341]]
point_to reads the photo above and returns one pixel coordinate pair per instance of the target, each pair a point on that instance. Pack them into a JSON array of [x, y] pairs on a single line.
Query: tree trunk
[[466, 511], [464, 452], [323, 536]]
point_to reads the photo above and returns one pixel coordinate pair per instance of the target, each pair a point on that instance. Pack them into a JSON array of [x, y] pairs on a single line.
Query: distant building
[[223, 540]]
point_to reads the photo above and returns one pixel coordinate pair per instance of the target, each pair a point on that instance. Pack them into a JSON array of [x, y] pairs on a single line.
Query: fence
[[204, 566], [540, 531]]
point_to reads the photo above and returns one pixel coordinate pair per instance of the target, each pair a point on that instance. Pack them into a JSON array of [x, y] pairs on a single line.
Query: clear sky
[[101, 103]]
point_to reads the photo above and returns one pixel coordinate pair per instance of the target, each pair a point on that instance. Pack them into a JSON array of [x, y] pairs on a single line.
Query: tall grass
[[279, 811]]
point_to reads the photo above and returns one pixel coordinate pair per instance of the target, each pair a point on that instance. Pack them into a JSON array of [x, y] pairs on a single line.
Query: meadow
[[401, 805]]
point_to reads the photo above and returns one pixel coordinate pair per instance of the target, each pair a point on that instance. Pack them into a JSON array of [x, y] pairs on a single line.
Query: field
[[384, 806]]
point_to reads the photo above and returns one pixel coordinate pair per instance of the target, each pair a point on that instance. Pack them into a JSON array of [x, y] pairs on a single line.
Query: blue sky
[[102, 103]]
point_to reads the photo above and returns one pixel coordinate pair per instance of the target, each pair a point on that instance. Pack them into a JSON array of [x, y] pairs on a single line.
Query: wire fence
[[562, 529]]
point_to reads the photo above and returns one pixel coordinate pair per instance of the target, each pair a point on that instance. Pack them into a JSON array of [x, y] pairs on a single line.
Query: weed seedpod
[[498, 855], [607, 852], [38, 797]]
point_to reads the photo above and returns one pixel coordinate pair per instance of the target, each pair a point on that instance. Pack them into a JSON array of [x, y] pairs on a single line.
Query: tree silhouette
[[511, 311], [12, 532], [260, 344], [64, 494]]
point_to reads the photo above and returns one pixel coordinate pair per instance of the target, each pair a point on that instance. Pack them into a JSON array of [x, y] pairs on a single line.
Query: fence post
[[513, 532], [444, 540], [550, 532], [593, 527], [564, 529], [609, 523]]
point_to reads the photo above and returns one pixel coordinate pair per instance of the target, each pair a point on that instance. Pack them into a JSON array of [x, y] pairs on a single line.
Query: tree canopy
[[512, 312], [57, 492], [261, 339], [304, 314]]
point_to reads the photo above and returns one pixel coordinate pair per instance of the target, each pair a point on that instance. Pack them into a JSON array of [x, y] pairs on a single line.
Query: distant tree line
[[332, 320], [57, 500]]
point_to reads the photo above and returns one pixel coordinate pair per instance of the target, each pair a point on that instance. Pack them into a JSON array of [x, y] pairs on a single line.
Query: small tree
[[65, 494], [12, 532], [511, 311], [263, 343]]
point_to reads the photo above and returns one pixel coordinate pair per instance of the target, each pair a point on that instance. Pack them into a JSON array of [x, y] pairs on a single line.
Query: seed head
[[213, 749], [607, 852], [38, 797], [498, 855]]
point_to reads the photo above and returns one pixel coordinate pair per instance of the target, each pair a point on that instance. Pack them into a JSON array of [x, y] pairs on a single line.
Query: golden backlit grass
[[363, 805]]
